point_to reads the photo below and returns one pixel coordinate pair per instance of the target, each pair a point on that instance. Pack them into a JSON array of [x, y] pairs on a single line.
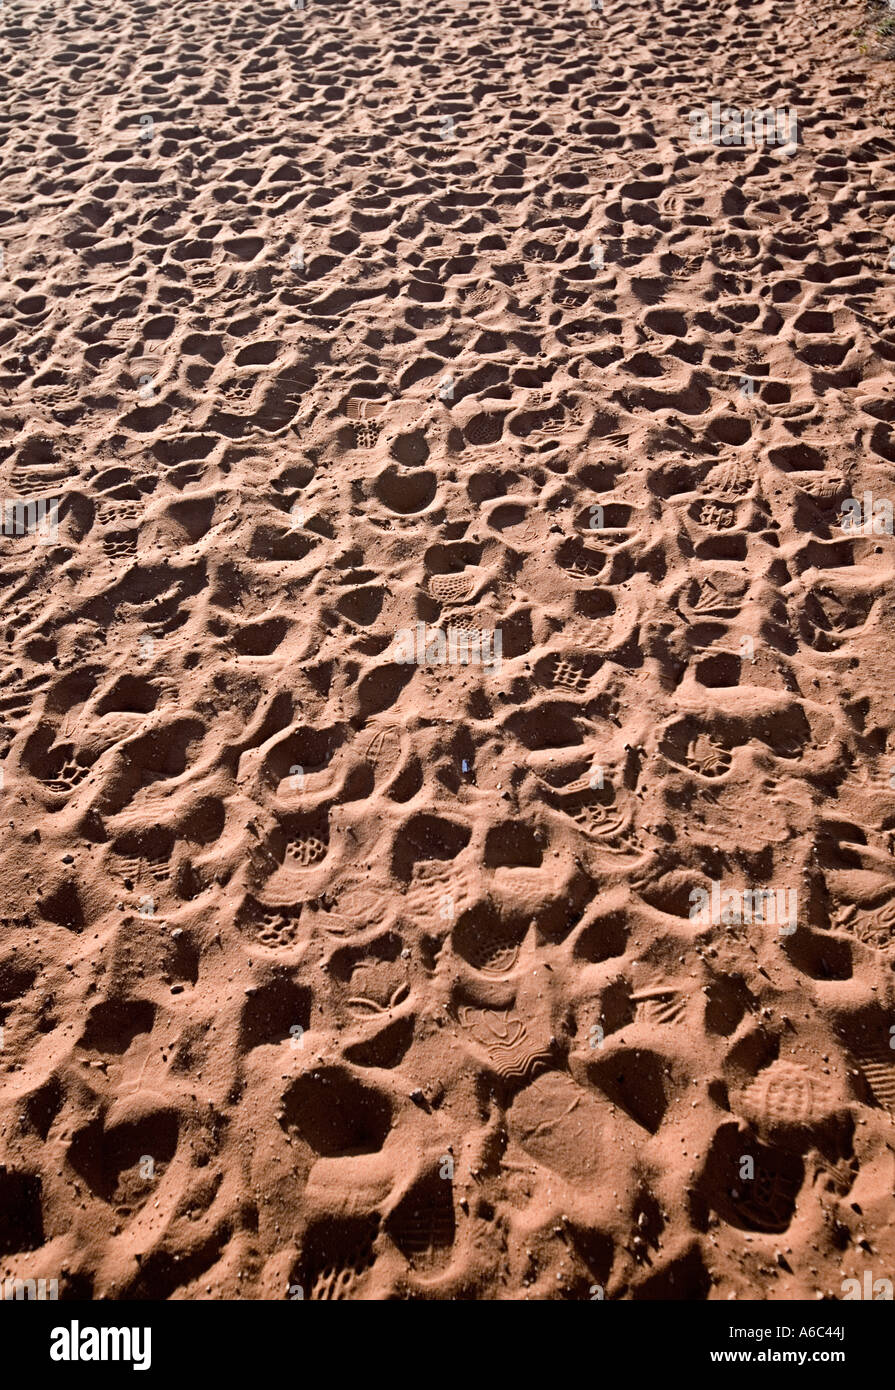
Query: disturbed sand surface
[[329, 974]]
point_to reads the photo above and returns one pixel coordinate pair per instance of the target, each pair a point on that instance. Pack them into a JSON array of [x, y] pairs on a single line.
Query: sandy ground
[[345, 335]]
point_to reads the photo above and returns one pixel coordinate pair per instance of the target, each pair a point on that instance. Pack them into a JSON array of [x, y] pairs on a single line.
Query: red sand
[[328, 975]]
